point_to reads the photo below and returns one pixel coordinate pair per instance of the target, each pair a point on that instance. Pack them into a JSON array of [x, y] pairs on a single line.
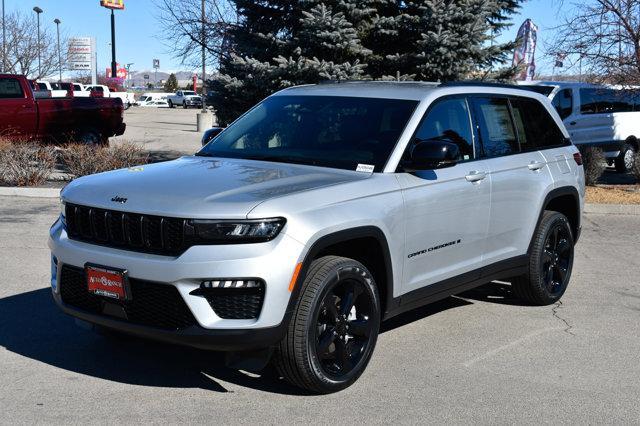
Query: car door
[[519, 176], [18, 114], [446, 210], [592, 120]]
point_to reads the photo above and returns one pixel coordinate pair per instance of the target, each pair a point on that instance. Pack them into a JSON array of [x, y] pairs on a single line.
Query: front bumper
[[196, 336], [273, 262]]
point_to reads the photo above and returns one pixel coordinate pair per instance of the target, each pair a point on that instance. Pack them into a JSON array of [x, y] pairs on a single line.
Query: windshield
[[144, 98], [188, 93], [329, 131]]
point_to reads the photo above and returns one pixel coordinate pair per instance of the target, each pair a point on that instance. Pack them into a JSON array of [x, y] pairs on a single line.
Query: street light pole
[[4, 40], [38, 11], [114, 66], [58, 22]]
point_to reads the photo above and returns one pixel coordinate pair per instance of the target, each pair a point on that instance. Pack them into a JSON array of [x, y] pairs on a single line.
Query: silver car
[[321, 212]]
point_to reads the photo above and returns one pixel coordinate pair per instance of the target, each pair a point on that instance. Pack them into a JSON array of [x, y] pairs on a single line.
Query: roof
[[410, 90]]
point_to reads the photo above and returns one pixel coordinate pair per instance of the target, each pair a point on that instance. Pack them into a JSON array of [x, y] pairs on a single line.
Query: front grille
[[128, 231], [234, 303], [152, 304]]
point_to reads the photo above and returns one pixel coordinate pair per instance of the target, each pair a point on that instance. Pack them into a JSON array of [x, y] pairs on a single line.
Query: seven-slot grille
[[128, 231], [152, 304]]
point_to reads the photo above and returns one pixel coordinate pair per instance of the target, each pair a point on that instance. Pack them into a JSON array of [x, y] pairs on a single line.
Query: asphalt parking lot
[[166, 133], [479, 358]]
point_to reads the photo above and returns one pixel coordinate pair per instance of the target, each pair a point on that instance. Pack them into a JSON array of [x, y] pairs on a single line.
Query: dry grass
[[613, 195], [25, 163], [82, 160]]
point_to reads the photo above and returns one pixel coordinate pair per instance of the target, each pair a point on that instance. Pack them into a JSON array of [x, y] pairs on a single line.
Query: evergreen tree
[[171, 85], [280, 43]]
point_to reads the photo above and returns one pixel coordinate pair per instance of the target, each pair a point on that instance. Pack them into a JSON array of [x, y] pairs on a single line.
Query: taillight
[[578, 158]]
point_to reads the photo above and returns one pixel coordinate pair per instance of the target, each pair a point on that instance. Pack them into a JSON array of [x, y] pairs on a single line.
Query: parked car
[[604, 116], [320, 213], [180, 98], [56, 92], [25, 114], [100, 90], [192, 101], [158, 103], [79, 90], [151, 97]]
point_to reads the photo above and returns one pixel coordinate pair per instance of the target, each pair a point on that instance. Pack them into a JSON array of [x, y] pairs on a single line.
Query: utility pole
[[58, 22], [38, 11], [114, 66], [204, 70], [4, 40]]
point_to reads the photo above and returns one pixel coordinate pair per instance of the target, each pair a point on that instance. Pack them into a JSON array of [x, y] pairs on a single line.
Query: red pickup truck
[[26, 115]]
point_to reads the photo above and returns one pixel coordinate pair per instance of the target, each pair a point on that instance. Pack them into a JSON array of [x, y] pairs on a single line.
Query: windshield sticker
[[365, 168]]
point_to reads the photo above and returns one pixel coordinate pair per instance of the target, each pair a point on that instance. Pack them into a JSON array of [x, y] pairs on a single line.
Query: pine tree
[[280, 43], [171, 85]]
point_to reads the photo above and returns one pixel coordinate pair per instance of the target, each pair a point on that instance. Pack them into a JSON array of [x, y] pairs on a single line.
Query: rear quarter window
[[536, 128]]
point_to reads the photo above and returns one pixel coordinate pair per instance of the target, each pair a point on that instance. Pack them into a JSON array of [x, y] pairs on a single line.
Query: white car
[[604, 116], [157, 103], [128, 99], [321, 212], [79, 91], [183, 98], [147, 98]]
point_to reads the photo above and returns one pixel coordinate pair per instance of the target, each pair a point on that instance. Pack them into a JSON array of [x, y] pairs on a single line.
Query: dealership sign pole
[[113, 5]]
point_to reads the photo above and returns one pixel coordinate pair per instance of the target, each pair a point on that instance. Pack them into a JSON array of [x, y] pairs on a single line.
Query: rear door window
[[10, 89], [536, 128], [497, 132]]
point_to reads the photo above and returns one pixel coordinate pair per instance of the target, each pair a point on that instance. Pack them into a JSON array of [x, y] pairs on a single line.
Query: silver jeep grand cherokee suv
[[321, 212]]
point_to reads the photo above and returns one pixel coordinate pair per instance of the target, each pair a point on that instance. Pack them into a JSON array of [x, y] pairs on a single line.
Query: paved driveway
[[478, 358]]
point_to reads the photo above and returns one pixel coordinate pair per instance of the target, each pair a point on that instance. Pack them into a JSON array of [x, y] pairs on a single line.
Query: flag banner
[[524, 54]]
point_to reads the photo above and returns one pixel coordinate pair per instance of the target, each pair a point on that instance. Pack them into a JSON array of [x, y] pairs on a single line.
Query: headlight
[[237, 231], [63, 214]]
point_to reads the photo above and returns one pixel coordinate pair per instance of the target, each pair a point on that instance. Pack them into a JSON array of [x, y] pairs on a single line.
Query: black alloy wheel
[[557, 258]]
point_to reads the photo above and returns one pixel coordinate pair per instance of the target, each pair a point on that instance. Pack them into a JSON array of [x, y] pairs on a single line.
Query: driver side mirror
[[432, 154], [210, 134]]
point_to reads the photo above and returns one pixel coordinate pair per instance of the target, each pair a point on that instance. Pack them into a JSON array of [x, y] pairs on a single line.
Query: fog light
[[247, 283]]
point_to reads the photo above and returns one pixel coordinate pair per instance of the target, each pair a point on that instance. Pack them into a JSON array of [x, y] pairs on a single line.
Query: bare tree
[[22, 47], [602, 39], [181, 23]]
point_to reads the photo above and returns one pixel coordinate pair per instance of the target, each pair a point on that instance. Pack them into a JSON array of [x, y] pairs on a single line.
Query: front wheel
[[184, 105], [334, 328], [624, 161], [550, 262]]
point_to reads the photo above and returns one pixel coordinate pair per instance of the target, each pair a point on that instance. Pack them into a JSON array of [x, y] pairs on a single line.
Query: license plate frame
[[108, 282]]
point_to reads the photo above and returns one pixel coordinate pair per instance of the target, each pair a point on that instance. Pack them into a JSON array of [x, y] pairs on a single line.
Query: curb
[[13, 191], [622, 209]]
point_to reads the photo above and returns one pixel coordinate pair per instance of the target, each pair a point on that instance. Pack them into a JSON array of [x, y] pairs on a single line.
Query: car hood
[[200, 187]]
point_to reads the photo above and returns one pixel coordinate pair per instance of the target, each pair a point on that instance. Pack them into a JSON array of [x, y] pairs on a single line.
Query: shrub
[[594, 164], [82, 160], [636, 168], [25, 163]]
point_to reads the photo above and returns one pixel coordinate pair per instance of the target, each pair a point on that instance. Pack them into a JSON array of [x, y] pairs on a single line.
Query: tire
[[184, 105], [328, 345], [550, 262], [624, 161], [171, 104], [90, 136], [127, 106]]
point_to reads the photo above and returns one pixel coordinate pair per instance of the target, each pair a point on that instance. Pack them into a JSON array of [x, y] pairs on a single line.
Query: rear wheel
[[624, 161], [170, 104], [550, 262], [91, 136], [334, 328]]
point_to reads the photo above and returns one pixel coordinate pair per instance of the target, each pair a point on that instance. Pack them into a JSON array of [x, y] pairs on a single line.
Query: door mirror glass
[[210, 134], [432, 154]]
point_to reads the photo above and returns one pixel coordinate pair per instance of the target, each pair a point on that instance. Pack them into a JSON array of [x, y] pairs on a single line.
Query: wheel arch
[[367, 245], [565, 200]]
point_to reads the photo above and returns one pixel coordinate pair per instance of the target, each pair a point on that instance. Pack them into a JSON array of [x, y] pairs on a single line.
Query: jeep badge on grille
[[118, 199]]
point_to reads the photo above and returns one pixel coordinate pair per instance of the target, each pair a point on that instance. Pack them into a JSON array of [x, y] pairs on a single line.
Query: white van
[[603, 116], [152, 98]]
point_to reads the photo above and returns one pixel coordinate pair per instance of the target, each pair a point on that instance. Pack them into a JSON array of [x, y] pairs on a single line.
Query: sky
[[139, 38]]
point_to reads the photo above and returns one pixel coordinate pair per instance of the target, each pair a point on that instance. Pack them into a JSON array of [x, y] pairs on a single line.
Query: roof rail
[[480, 83]]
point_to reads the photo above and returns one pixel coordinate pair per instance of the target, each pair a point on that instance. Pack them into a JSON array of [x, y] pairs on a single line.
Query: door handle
[[535, 165], [475, 176], [573, 123]]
